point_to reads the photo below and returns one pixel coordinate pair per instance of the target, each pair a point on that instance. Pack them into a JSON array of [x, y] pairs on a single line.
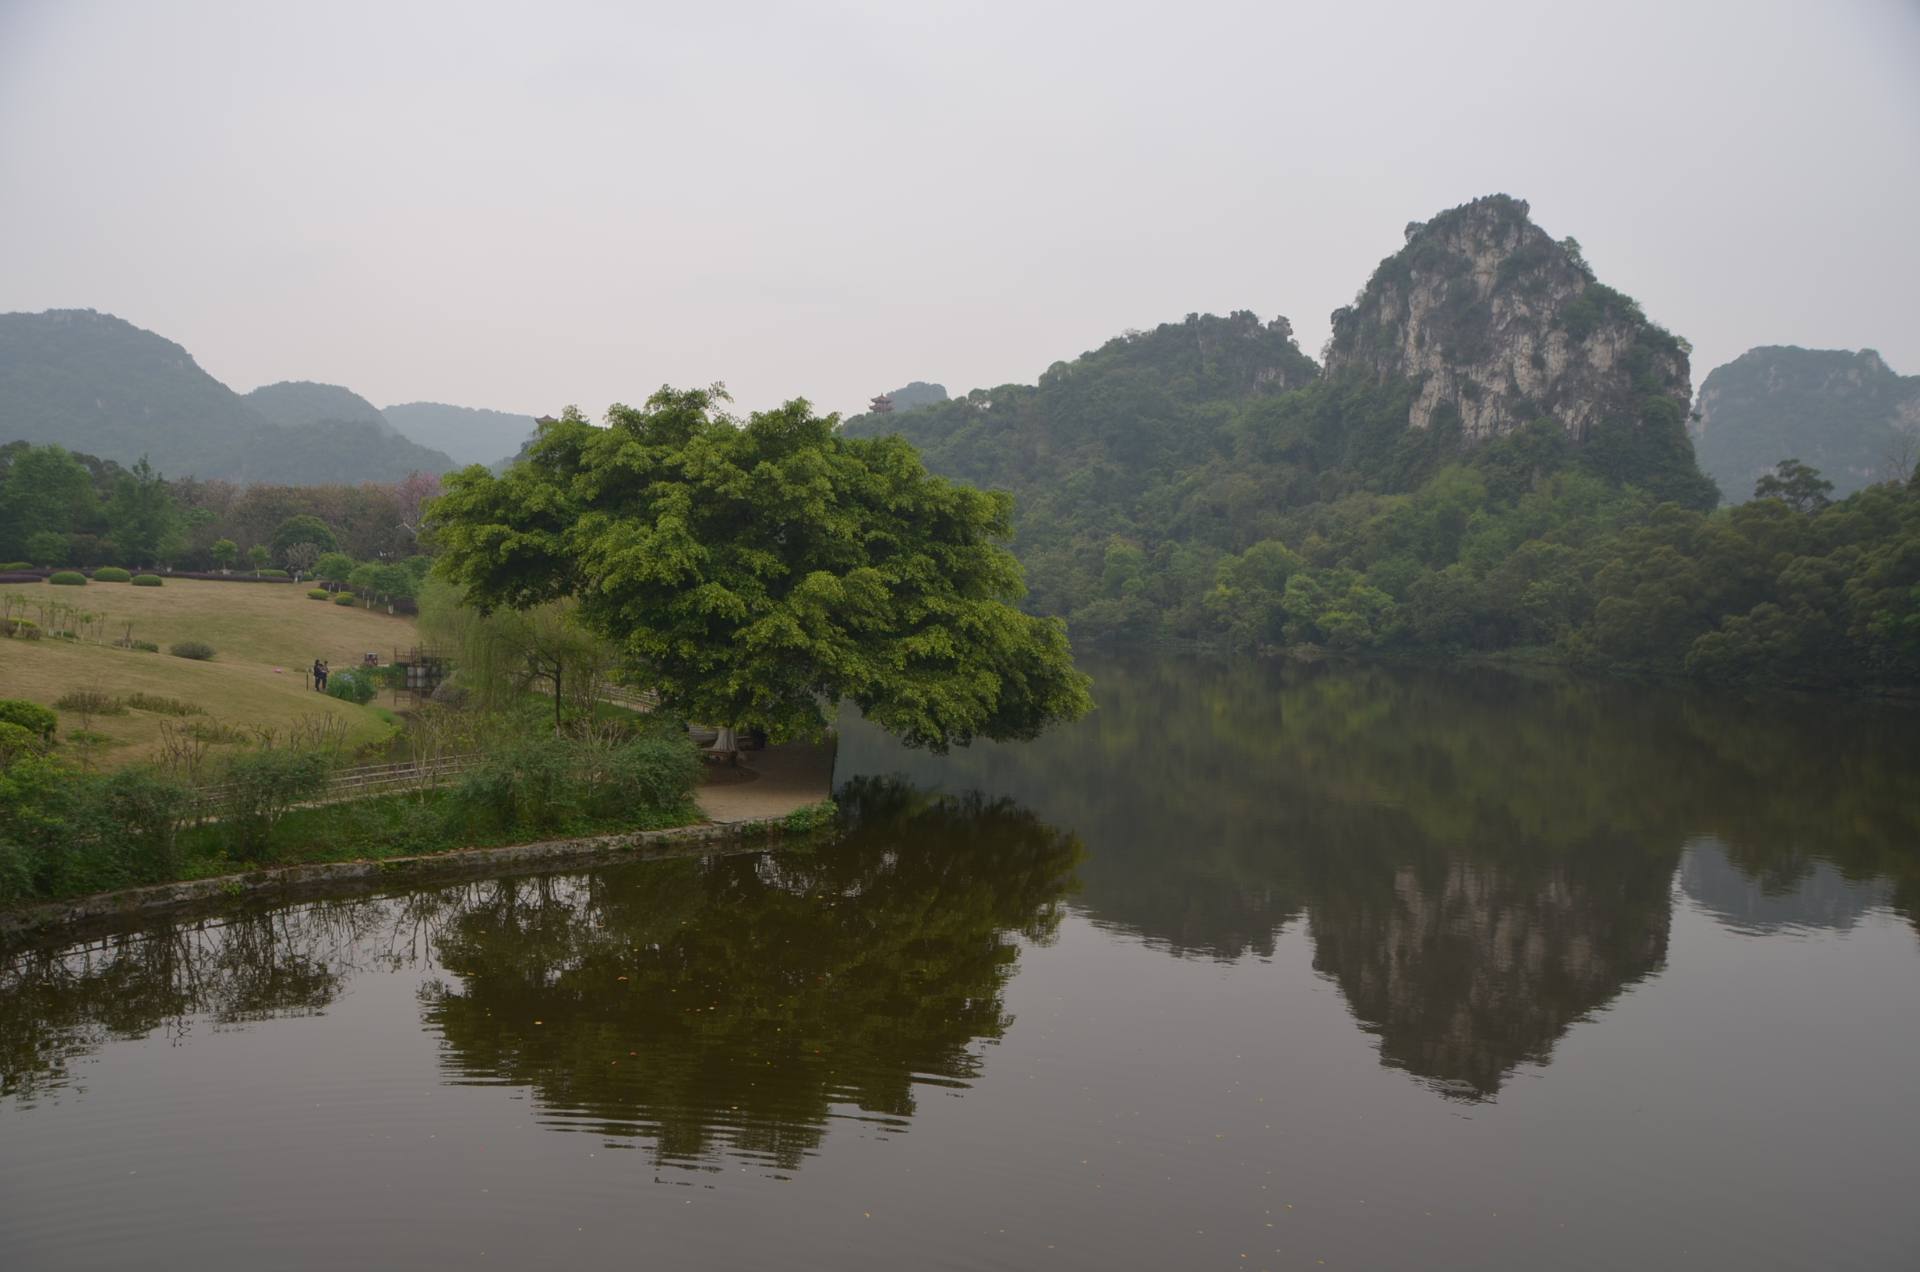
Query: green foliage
[[67, 578], [350, 686], [320, 594], [17, 742], [111, 574], [804, 821], [223, 553], [333, 567], [46, 494], [259, 555], [259, 788], [1793, 483], [7, 567], [759, 573], [142, 516], [302, 528], [274, 574], [30, 716], [147, 580], [342, 598], [145, 647], [160, 705], [197, 650], [90, 702]]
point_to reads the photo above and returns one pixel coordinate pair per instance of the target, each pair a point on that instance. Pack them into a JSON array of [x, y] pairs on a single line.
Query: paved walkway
[[769, 783]]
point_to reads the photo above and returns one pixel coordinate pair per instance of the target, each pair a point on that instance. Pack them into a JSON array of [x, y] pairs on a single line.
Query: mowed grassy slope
[[265, 635]]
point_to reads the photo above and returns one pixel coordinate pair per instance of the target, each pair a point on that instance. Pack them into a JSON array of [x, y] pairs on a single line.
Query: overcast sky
[[522, 206]]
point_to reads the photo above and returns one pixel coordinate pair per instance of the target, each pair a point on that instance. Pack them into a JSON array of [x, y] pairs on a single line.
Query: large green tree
[[45, 491], [142, 517], [761, 572]]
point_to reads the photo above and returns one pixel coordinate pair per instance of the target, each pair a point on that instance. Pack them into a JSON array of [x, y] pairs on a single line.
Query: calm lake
[[1265, 964]]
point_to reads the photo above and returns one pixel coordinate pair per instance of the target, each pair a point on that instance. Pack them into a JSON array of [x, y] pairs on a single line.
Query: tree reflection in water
[[733, 1004], [725, 1006]]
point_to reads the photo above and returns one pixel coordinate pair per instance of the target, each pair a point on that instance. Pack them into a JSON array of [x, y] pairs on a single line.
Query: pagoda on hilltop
[[882, 405]]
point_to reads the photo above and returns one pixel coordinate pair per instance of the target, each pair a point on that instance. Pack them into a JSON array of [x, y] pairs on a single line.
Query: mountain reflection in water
[[1483, 858]]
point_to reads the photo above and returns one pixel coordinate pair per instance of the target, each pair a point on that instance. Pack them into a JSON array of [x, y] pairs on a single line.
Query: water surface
[[1264, 964]]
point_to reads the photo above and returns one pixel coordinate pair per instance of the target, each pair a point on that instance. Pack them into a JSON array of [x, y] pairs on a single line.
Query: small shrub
[[650, 774], [111, 574], [30, 716], [90, 702], [262, 787], [145, 646], [813, 817], [318, 594], [24, 628], [13, 566], [275, 574], [146, 580], [67, 578], [343, 598], [160, 705], [198, 650], [350, 686]]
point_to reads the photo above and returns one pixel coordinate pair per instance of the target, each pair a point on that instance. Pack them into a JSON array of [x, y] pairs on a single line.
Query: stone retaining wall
[[289, 883]]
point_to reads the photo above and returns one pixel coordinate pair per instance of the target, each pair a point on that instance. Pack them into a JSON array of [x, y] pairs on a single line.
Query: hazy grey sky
[[522, 206]]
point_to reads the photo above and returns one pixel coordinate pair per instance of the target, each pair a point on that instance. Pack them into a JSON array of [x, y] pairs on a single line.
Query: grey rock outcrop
[[1499, 325]]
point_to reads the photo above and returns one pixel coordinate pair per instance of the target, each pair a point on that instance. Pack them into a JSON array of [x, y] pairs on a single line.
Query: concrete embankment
[[744, 810]]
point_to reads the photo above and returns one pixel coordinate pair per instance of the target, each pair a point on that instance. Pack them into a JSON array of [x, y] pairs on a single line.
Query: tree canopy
[[760, 572]]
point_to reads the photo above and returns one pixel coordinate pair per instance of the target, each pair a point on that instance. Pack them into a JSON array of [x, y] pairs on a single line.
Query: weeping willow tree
[[504, 655]]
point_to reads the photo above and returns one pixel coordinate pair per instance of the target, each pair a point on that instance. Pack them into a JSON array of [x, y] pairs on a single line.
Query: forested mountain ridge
[[1844, 412], [1099, 446], [293, 403], [99, 384], [1497, 459]]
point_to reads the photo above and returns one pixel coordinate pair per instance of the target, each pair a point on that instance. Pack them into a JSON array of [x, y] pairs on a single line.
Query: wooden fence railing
[[367, 779]]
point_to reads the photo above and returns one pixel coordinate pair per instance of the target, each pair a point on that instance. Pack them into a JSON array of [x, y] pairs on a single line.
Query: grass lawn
[[265, 635]]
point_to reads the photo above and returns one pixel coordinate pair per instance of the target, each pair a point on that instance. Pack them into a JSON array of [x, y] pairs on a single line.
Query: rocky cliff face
[[1498, 325], [1844, 412]]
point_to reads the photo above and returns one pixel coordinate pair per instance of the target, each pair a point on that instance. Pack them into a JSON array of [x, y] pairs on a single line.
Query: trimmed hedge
[[111, 574], [318, 594], [30, 716], [343, 598], [198, 650], [147, 580], [11, 566], [68, 578], [275, 574], [146, 646]]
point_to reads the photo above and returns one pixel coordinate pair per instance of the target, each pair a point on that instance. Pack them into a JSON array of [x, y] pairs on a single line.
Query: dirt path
[[769, 783]]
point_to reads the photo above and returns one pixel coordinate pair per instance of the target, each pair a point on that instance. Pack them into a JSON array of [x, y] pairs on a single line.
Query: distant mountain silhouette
[[470, 434], [96, 383]]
